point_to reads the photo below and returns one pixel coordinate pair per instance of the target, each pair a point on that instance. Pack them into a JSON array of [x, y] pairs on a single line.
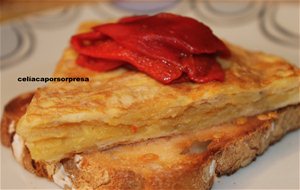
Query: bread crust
[[12, 112], [194, 158]]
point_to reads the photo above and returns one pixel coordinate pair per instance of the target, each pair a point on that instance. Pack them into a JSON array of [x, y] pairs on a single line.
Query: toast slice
[[178, 162], [125, 106]]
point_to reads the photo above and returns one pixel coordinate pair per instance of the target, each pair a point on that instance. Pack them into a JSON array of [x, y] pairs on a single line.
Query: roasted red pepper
[[167, 47]]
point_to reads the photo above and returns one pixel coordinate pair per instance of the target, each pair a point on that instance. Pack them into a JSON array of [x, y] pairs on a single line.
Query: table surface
[[32, 45], [11, 9]]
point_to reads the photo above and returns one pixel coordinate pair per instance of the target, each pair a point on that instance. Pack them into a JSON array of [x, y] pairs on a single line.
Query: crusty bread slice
[[178, 162]]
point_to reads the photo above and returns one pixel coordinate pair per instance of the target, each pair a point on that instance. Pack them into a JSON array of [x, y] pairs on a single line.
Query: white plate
[[32, 46]]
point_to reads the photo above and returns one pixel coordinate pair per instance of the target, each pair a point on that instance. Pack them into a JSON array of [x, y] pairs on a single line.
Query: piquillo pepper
[[167, 47]]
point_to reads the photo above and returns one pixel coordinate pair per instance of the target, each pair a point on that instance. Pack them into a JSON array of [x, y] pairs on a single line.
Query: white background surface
[[278, 168]]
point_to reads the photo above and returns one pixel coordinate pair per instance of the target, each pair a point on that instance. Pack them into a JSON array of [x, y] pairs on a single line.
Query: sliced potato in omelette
[[124, 106]]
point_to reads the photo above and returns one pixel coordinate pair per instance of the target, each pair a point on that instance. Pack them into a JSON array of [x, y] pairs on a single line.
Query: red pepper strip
[[124, 20], [100, 65], [203, 69], [162, 51], [97, 64], [110, 50], [132, 18], [156, 45], [163, 31], [88, 38]]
